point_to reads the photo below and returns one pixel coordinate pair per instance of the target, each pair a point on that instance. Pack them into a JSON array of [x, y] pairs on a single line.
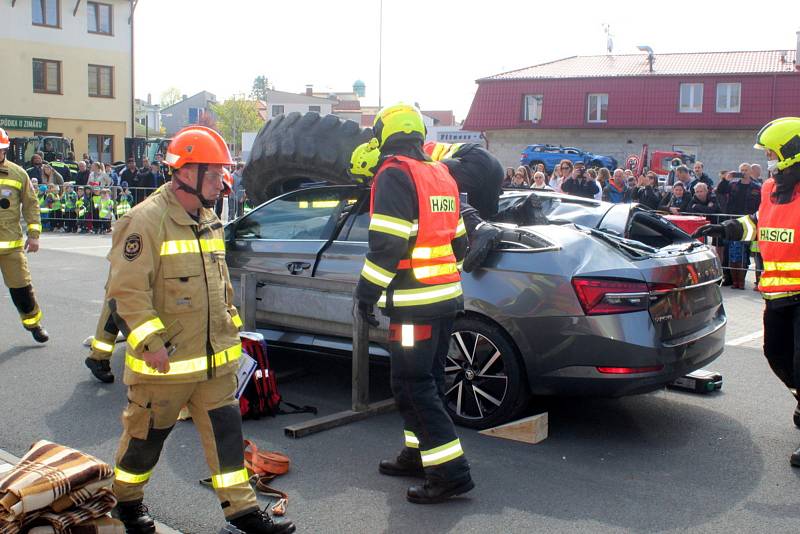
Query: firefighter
[[416, 243], [17, 195], [776, 227], [170, 294]]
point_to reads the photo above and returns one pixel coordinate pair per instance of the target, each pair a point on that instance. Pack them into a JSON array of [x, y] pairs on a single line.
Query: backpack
[[260, 396]]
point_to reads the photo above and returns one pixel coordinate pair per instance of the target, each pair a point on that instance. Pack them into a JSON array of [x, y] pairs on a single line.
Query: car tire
[[489, 390], [299, 148]]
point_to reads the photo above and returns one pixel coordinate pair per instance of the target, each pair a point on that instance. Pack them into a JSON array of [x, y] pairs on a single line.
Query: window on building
[[318, 109], [597, 108], [46, 13], [101, 148], [729, 97], [101, 81], [46, 76], [691, 98], [99, 18], [196, 115], [532, 108], [277, 110]]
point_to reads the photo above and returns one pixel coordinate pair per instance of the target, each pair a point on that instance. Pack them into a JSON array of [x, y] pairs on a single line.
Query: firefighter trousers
[[419, 351], [150, 416], [782, 340], [17, 277], [105, 335]]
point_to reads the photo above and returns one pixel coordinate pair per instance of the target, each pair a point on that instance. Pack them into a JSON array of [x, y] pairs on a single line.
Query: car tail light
[[661, 288], [600, 296], [629, 370]]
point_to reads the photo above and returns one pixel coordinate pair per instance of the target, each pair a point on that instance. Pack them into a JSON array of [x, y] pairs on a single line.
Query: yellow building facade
[[67, 72]]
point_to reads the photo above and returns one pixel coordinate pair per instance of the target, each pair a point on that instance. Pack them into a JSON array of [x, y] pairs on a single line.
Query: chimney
[[184, 97], [149, 99], [797, 53], [309, 90]]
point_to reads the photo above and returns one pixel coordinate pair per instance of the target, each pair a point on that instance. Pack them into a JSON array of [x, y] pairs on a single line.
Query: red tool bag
[[260, 396]]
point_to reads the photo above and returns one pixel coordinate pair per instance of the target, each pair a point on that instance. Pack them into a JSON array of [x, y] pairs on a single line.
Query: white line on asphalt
[[76, 248], [744, 339]]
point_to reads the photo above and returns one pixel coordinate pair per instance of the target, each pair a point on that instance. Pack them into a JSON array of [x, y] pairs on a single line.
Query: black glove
[[482, 241], [367, 312], [710, 230]]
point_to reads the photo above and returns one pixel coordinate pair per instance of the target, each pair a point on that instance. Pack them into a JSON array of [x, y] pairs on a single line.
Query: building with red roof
[[710, 104]]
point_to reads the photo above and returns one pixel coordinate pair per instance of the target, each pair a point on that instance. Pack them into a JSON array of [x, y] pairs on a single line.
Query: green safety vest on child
[[106, 207]]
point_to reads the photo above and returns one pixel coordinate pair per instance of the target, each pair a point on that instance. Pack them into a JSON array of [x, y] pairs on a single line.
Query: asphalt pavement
[[663, 462]]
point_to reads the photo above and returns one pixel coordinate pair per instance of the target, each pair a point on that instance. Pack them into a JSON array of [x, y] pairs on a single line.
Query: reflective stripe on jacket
[[16, 188], [169, 287], [417, 240], [778, 233]]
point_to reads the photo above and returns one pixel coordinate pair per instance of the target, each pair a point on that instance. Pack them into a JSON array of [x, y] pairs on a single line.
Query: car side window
[[359, 231], [305, 214]]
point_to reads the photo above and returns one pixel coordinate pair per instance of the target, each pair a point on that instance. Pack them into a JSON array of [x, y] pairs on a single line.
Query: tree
[[237, 116], [260, 88], [170, 96]]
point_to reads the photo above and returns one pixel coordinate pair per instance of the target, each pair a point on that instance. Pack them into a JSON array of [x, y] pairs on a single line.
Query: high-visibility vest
[[123, 206], [105, 208], [779, 241], [70, 198], [440, 151], [431, 260], [81, 208], [96, 201]]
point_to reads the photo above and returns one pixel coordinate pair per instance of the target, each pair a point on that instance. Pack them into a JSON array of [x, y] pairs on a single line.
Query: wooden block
[[532, 429]]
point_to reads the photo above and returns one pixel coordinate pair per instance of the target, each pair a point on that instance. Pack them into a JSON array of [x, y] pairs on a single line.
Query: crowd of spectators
[[685, 191], [85, 196]]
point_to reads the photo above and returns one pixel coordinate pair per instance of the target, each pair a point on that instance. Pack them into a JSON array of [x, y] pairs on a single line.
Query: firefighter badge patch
[[133, 247]]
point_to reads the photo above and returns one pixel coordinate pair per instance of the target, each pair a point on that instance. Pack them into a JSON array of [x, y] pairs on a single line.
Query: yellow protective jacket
[[169, 286], [16, 195]]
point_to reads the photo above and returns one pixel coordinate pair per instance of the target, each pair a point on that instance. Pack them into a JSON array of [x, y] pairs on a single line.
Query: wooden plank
[[327, 422], [528, 430]]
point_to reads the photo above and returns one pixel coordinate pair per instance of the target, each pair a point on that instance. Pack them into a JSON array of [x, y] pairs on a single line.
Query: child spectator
[[105, 212], [70, 201]]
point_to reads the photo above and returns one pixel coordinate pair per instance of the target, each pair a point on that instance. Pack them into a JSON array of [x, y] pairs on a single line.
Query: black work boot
[[101, 369], [405, 465], [794, 459], [40, 334], [433, 492], [135, 517], [797, 415], [259, 522]]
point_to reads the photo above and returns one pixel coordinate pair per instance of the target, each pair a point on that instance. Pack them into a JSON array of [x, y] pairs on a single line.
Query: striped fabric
[[59, 485]]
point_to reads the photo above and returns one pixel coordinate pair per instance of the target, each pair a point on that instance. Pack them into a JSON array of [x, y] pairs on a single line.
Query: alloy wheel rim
[[476, 382]]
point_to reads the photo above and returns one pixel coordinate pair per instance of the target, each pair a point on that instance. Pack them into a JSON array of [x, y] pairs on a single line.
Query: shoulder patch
[[133, 247]]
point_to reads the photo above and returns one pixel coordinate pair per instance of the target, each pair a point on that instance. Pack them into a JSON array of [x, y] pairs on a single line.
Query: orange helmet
[[227, 180], [197, 144], [4, 140]]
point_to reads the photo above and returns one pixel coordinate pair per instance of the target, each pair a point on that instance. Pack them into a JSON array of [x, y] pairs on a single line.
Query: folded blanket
[[55, 485]]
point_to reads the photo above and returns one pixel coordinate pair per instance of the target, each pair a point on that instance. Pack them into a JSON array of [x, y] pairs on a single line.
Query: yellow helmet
[[399, 119], [365, 158], [782, 136]]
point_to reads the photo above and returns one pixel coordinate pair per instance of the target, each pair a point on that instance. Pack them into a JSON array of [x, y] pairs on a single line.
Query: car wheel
[[484, 380]]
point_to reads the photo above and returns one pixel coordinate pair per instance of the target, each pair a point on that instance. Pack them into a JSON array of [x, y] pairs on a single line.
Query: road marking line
[[744, 339], [76, 248]]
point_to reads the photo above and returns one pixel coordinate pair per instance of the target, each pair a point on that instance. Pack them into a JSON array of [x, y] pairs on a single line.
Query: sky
[[433, 51]]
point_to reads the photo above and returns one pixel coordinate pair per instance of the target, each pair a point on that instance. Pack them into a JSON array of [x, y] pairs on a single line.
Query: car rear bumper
[[671, 360]]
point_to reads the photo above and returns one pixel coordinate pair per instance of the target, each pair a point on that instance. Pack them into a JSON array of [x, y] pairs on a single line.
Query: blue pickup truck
[[551, 155]]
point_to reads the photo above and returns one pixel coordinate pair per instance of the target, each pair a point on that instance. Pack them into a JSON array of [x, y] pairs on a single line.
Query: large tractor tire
[[299, 148]]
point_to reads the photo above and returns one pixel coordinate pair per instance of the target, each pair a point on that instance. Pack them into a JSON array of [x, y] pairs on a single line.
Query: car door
[[280, 242], [340, 268]]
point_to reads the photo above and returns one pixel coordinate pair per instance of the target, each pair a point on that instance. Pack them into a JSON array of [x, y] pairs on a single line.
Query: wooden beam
[[529, 430], [75, 11]]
